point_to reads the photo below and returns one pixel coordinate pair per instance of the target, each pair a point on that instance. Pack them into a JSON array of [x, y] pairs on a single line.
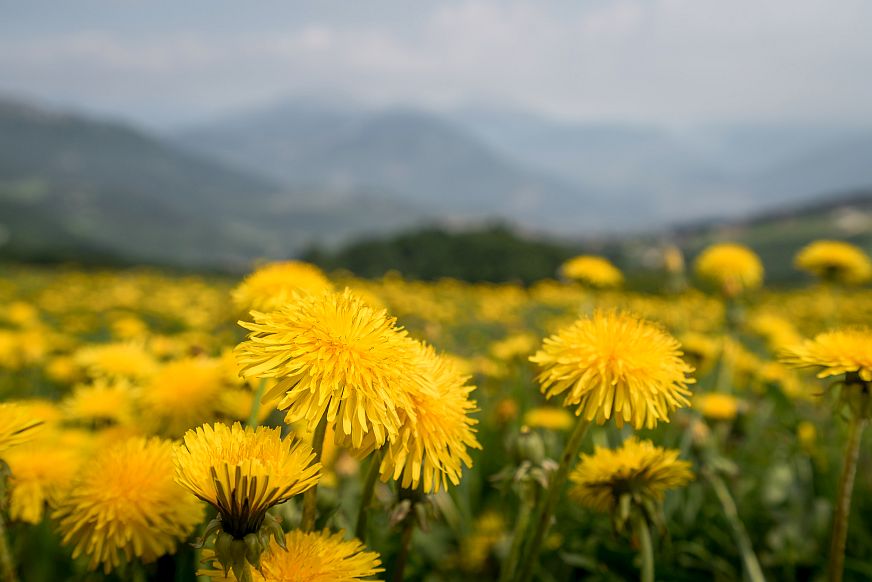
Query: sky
[[166, 63]]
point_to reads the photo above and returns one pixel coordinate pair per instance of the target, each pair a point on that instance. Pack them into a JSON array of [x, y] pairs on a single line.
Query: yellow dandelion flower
[[615, 365], [548, 417], [733, 267], [41, 472], [638, 469], [128, 360], [717, 406], [514, 346], [125, 505], [777, 330], [835, 352], [243, 472], [17, 425], [432, 444], [275, 284], [182, 394], [312, 557], [593, 270], [489, 529], [333, 355], [833, 260], [103, 402]]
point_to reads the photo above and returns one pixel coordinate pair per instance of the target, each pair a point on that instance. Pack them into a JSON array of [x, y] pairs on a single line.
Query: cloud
[[667, 61]]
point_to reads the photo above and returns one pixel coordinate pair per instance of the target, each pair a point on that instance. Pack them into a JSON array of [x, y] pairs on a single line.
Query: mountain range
[[269, 182]]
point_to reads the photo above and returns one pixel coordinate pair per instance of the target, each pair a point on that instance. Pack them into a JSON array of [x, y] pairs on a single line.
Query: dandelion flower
[[314, 557], [242, 473], [615, 365], [833, 260], [41, 472], [182, 394], [836, 352], [128, 360], [17, 425], [593, 270], [733, 267], [548, 417], [717, 406], [432, 445], [275, 284], [125, 505], [333, 355], [103, 402], [638, 469]]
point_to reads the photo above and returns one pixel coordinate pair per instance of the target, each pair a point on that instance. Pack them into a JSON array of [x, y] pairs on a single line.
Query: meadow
[[299, 426]]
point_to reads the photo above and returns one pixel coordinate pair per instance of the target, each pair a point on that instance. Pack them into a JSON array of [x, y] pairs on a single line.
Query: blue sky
[[668, 62]]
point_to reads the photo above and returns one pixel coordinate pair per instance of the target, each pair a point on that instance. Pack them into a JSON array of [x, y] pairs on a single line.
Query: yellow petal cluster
[[334, 355], [41, 473], [835, 261], [615, 365], [432, 443], [835, 352], [125, 504], [637, 468], [717, 406], [243, 472], [312, 557], [593, 270], [275, 284], [182, 394], [733, 267], [17, 425]]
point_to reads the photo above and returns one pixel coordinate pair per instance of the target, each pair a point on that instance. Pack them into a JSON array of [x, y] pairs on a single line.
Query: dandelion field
[[295, 426]]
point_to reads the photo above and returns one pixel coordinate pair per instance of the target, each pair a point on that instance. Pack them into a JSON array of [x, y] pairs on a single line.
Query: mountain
[[402, 154], [71, 185]]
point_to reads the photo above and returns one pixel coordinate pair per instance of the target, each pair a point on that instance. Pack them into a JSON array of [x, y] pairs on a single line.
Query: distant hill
[[76, 186], [403, 154]]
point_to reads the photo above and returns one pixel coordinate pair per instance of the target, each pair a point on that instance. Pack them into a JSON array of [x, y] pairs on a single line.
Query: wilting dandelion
[[124, 504], [242, 473]]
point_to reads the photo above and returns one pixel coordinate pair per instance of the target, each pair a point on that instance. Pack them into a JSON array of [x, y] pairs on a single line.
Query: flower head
[[733, 267], [334, 355], [125, 504], [615, 365], [836, 261], [593, 270], [104, 401], [548, 417], [181, 394], [275, 284], [835, 352], [638, 469], [314, 557], [128, 360], [243, 472], [717, 406], [432, 444]]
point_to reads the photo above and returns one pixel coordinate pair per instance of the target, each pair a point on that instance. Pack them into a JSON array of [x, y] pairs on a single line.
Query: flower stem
[[646, 549], [366, 495], [843, 500], [7, 565], [749, 560], [546, 505], [310, 497], [405, 542], [255, 404], [524, 512]]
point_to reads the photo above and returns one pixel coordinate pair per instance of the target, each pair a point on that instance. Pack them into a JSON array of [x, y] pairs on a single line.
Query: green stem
[[521, 526], [7, 565], [405, 542], [255, 404], [843, 500], [310, 497], [546, 505], [366, 495], [646, 549], [749, 560]]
